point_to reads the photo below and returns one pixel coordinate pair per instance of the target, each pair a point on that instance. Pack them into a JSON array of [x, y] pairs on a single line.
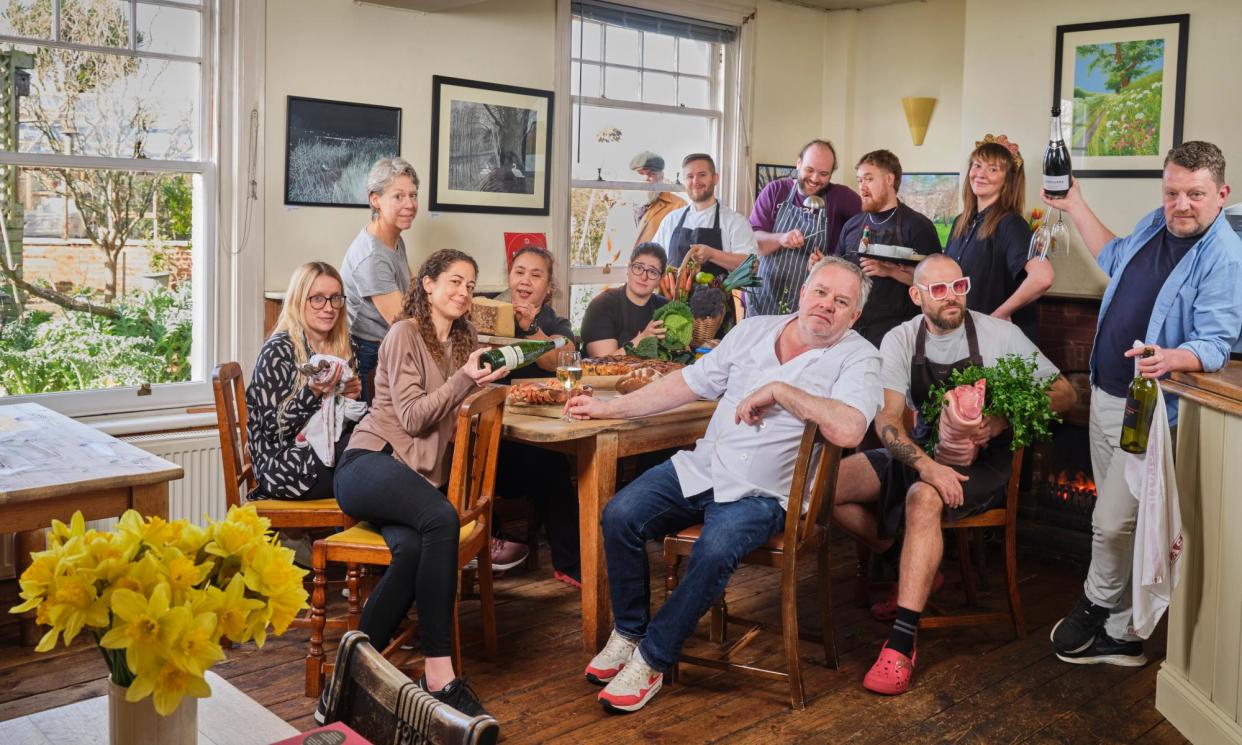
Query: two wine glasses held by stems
[[1049, 240], [568, 372]]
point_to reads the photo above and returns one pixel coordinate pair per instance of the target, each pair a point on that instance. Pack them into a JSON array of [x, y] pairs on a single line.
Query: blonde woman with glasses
[[280, 399]]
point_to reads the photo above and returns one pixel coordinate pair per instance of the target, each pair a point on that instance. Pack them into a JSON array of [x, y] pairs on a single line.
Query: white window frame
[[206, 297], [720, 78]]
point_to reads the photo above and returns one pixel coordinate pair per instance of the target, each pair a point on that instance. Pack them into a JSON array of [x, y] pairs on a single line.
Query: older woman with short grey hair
[[376, 271]]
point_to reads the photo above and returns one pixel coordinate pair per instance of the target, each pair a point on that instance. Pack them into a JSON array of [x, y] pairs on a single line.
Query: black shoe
[[459, 695], [1075, 632], [1105, 650], [321, 710]]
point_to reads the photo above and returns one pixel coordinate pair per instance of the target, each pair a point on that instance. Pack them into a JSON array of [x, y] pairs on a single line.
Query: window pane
[[588, 83], [658, 51], [120, 241], [588, 34], [694, 92], [32, 18], [603, 226], [111, 106], [659, 88], [580, 296], [620, 84], [694, 57], [606, 139], [168, 30], [102, 23], [621, 45]]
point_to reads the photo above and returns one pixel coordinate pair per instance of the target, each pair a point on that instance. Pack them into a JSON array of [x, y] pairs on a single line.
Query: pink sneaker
[[507, 554], [562, 577], [891, 673], [633, 687]]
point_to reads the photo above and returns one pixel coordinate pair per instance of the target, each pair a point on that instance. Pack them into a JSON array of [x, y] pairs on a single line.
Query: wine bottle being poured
[[520, 354]]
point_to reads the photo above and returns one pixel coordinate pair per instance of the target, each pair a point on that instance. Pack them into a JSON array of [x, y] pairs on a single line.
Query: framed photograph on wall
[[1121, 86], [934, 195], [766, 173], [330, 147], [491, 147]]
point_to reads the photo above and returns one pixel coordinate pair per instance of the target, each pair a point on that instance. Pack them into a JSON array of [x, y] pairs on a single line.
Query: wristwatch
[[532, 328]]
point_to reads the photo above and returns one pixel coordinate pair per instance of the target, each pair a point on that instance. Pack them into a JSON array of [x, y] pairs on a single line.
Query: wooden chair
[[818, 467], [1006, 517], [230, 392], [471, 486], [380, 703]]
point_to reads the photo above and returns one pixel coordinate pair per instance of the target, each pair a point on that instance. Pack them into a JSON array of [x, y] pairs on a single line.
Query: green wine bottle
[[1140, 405], [521, 354]]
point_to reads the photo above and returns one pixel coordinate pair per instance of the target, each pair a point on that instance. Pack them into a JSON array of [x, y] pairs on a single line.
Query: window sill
[[149, 422]]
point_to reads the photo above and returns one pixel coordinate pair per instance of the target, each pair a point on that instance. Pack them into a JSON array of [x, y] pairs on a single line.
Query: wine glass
[[1058, 237], [568, 371], [1041, 239]]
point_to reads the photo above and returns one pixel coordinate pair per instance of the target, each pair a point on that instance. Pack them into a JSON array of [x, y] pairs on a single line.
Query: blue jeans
[[367, 354], [651, 507]]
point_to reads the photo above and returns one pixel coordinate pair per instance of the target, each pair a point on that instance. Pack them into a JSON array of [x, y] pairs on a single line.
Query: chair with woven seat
[[285, 514], [471, 486], [380, 703], [816, 467], [1006, 517]]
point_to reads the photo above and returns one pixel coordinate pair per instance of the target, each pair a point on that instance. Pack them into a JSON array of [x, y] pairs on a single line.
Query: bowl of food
[[885, 251]]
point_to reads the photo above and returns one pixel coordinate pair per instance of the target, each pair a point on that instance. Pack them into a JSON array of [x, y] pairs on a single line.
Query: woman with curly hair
[[990, 238], [395, 467]]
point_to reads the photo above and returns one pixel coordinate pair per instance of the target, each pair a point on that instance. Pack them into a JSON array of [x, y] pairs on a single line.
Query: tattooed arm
[[891, 428]]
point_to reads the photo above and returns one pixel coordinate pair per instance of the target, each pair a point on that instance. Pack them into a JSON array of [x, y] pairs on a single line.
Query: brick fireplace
[[1059, 494]]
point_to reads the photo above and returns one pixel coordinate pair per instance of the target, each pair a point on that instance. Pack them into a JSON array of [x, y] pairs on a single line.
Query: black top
[[996, 265], [551, 325], [611, 315], [276, 411], [889, 303], [1130, 311]]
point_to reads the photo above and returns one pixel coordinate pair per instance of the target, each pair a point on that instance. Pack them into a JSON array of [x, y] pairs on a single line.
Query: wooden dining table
[[52, 466], [597, 444]]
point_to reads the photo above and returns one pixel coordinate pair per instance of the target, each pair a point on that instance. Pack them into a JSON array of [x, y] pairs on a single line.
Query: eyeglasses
[[317, 301], [639, 270], [940, 290]]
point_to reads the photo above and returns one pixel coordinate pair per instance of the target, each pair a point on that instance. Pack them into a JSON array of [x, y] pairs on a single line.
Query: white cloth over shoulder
[[1158, 529], [324, 427]]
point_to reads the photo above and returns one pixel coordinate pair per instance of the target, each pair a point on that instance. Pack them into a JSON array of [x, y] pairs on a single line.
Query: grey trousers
[[1112, 523]]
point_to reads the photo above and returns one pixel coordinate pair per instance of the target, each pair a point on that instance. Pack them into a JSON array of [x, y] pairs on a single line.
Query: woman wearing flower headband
[[990, 238]]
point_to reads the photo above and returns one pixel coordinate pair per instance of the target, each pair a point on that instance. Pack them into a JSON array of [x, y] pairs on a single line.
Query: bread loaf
[[492, 317], [636, 379]]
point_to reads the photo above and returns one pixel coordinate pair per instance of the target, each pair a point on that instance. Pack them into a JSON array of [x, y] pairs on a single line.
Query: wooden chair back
[[472, 478], [817, 465], [230, 391], [383, 705]]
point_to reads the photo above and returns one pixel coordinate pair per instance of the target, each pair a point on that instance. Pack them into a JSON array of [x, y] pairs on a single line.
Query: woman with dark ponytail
[[395, 467]]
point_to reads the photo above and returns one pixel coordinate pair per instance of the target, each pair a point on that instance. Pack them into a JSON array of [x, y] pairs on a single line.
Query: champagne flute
[[1041, 240], [1058, 237], [568, 372]]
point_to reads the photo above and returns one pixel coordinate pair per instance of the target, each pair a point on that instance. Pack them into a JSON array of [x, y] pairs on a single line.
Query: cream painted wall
[[340, 50], [790, 84], [1008, 79]]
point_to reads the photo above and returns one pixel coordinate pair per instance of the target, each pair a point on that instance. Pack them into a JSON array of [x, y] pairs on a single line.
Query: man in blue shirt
[[1175, 284]]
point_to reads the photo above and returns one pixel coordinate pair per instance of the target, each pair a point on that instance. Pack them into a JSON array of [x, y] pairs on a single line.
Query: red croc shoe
[[891, 673], [886, 609]]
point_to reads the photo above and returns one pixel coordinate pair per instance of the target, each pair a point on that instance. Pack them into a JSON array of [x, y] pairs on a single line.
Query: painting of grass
[[934, 195], [1118, 97], [331, 147]]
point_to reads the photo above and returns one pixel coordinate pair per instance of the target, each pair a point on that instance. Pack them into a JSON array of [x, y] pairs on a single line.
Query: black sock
[[901, 638]]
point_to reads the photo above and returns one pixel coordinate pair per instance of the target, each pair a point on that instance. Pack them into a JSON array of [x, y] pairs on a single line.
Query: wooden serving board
[[608, 382], [554, 411]]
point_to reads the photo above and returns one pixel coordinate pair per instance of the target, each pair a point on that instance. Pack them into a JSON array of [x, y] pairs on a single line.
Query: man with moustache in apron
[[788, 231]]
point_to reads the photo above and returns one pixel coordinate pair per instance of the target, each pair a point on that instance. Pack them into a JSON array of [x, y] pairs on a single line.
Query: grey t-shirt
[[997, 338], [371, 268]]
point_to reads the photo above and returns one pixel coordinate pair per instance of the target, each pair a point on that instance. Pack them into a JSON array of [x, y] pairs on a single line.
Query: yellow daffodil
[[230, 539], [146, 627], [72, 602], [195, 649], [167, 684], [61, 533], [235, 609], [36, 580], [182, 573]]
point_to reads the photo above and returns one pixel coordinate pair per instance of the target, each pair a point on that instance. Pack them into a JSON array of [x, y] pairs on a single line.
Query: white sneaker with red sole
[[604, 666], [634, 686]]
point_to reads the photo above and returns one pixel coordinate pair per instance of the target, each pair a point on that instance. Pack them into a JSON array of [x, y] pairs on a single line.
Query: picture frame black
[[765, 173], [491, 147], [330, 147], [1169, 30]]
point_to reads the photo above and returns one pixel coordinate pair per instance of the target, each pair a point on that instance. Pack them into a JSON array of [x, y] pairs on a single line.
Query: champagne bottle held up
[[1140, 405], [521, 354], [1057, 178]]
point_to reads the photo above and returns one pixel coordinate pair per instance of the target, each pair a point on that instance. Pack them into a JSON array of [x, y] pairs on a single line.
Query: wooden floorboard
[[972, 685]]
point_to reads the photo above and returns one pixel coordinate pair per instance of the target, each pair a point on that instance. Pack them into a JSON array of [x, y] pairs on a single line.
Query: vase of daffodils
[[158, 598]]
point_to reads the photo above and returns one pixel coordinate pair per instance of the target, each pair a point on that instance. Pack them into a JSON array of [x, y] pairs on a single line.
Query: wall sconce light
[[918, 114]]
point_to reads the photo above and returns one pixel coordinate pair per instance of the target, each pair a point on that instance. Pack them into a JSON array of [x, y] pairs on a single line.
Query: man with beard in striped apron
[[789, 232]]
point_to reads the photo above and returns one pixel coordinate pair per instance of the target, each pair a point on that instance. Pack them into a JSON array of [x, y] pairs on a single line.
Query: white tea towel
[[324, 427], [1158, 530]]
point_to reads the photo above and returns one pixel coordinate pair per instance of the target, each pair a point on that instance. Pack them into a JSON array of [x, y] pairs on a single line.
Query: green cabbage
[[678, 324]]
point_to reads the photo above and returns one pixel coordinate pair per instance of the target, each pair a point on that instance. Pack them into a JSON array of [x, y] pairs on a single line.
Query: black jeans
[[367, 354], [543, 477], [421, 529]]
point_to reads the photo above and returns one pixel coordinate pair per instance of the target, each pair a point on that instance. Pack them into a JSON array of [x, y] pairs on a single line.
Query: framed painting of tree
[[491, 147], [1121, 88]]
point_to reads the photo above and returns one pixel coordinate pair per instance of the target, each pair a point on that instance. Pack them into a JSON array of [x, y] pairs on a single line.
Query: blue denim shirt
[[1200, 305]]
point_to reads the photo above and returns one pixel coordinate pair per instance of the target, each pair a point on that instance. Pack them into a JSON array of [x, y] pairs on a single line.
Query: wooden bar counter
[[1198, 687]]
